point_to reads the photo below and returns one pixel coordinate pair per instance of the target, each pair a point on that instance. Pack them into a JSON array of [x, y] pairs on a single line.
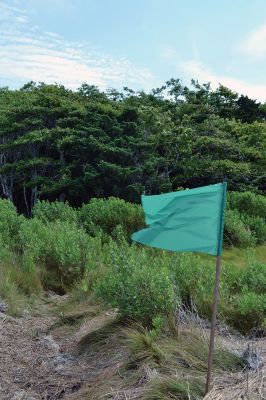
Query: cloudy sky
[[135, 43]]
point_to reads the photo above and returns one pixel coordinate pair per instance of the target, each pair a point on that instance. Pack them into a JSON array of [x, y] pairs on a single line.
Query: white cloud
[[27, 53], [198, 71], [255, 43]]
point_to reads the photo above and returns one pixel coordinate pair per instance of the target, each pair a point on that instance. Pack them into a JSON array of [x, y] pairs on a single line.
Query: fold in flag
[[187, 220]]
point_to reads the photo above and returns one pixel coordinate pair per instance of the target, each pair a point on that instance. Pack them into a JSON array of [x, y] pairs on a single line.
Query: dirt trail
[[38, 364], [43, 359]]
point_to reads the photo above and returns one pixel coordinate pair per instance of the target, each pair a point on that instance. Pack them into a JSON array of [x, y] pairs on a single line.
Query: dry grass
[[243, 385], [78, 350]]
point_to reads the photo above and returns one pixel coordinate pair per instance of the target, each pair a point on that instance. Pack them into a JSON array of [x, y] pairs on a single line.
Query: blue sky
[[135, 43]]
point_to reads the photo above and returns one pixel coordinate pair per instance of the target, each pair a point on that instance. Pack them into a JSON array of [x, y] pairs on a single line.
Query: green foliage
[[60, 144], [173, 388], [66, 249], [248, 203], [194, 280], [10, 288], [144, 283], [48, 211], [15, 280], [143, 345], [106, 215], [10, 223], [243, 299], [138, 284], [52, 251], [60, 246], [157, 326], [245, 223], [251, 310], [257, 225], [235, 231]]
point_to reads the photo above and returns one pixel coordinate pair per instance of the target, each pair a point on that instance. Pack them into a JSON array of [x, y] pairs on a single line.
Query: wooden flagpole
[[216, 292], [213, 322]]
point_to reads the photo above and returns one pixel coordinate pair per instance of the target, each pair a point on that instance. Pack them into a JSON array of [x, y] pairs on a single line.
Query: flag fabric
[[188, 220]]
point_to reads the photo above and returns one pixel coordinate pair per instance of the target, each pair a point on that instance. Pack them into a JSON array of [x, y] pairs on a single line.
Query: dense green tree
[[60, 144], [248, 110]]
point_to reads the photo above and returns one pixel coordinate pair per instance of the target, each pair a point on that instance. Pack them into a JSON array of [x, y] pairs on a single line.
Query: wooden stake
[[213, 323]]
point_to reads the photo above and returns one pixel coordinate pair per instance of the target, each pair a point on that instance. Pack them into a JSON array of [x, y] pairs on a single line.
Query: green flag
[[188, 220]]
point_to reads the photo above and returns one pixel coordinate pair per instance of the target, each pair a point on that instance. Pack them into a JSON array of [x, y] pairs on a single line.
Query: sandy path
[[37, 364]]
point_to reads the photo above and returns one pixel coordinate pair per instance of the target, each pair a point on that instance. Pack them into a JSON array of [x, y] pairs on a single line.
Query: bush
[[60, 247], [50, 249], [48, 211], [10, 223], [66, 250], [194, 279], [257, 225], [247, 203], [105, 215], [144, 282], [248, 311], [31, 241], [135, 282], [235, 231], [253, 278]]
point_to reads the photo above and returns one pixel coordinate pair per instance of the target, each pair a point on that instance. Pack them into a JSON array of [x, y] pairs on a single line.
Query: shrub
[[135, 282], [66, 250], [235, 231], [257, 225], [249, 310], [253, 277], [106, 215], [248, 203], [31, 241], [10, 223], [60, 247], [193, 278], [48, 211]]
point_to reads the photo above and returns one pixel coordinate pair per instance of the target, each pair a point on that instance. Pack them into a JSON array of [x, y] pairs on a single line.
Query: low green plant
[[227, 360], [249, 310], [60, 248], [256, 225], [168, 388], [15, 286], [135, 282], [65, 250], [236, 233], [143, 345], [48, 211], [247, 203], [10, 222], [106, 215], [52, 251]]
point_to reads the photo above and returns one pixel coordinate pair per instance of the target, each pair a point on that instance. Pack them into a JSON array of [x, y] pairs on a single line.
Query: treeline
[[57, 144]]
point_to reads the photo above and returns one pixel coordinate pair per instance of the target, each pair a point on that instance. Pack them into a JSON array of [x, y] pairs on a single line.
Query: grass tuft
[[166, 388], [143, 345]]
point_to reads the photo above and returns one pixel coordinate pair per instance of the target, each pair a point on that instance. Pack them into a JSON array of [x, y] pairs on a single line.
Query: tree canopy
[[59, 144]]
